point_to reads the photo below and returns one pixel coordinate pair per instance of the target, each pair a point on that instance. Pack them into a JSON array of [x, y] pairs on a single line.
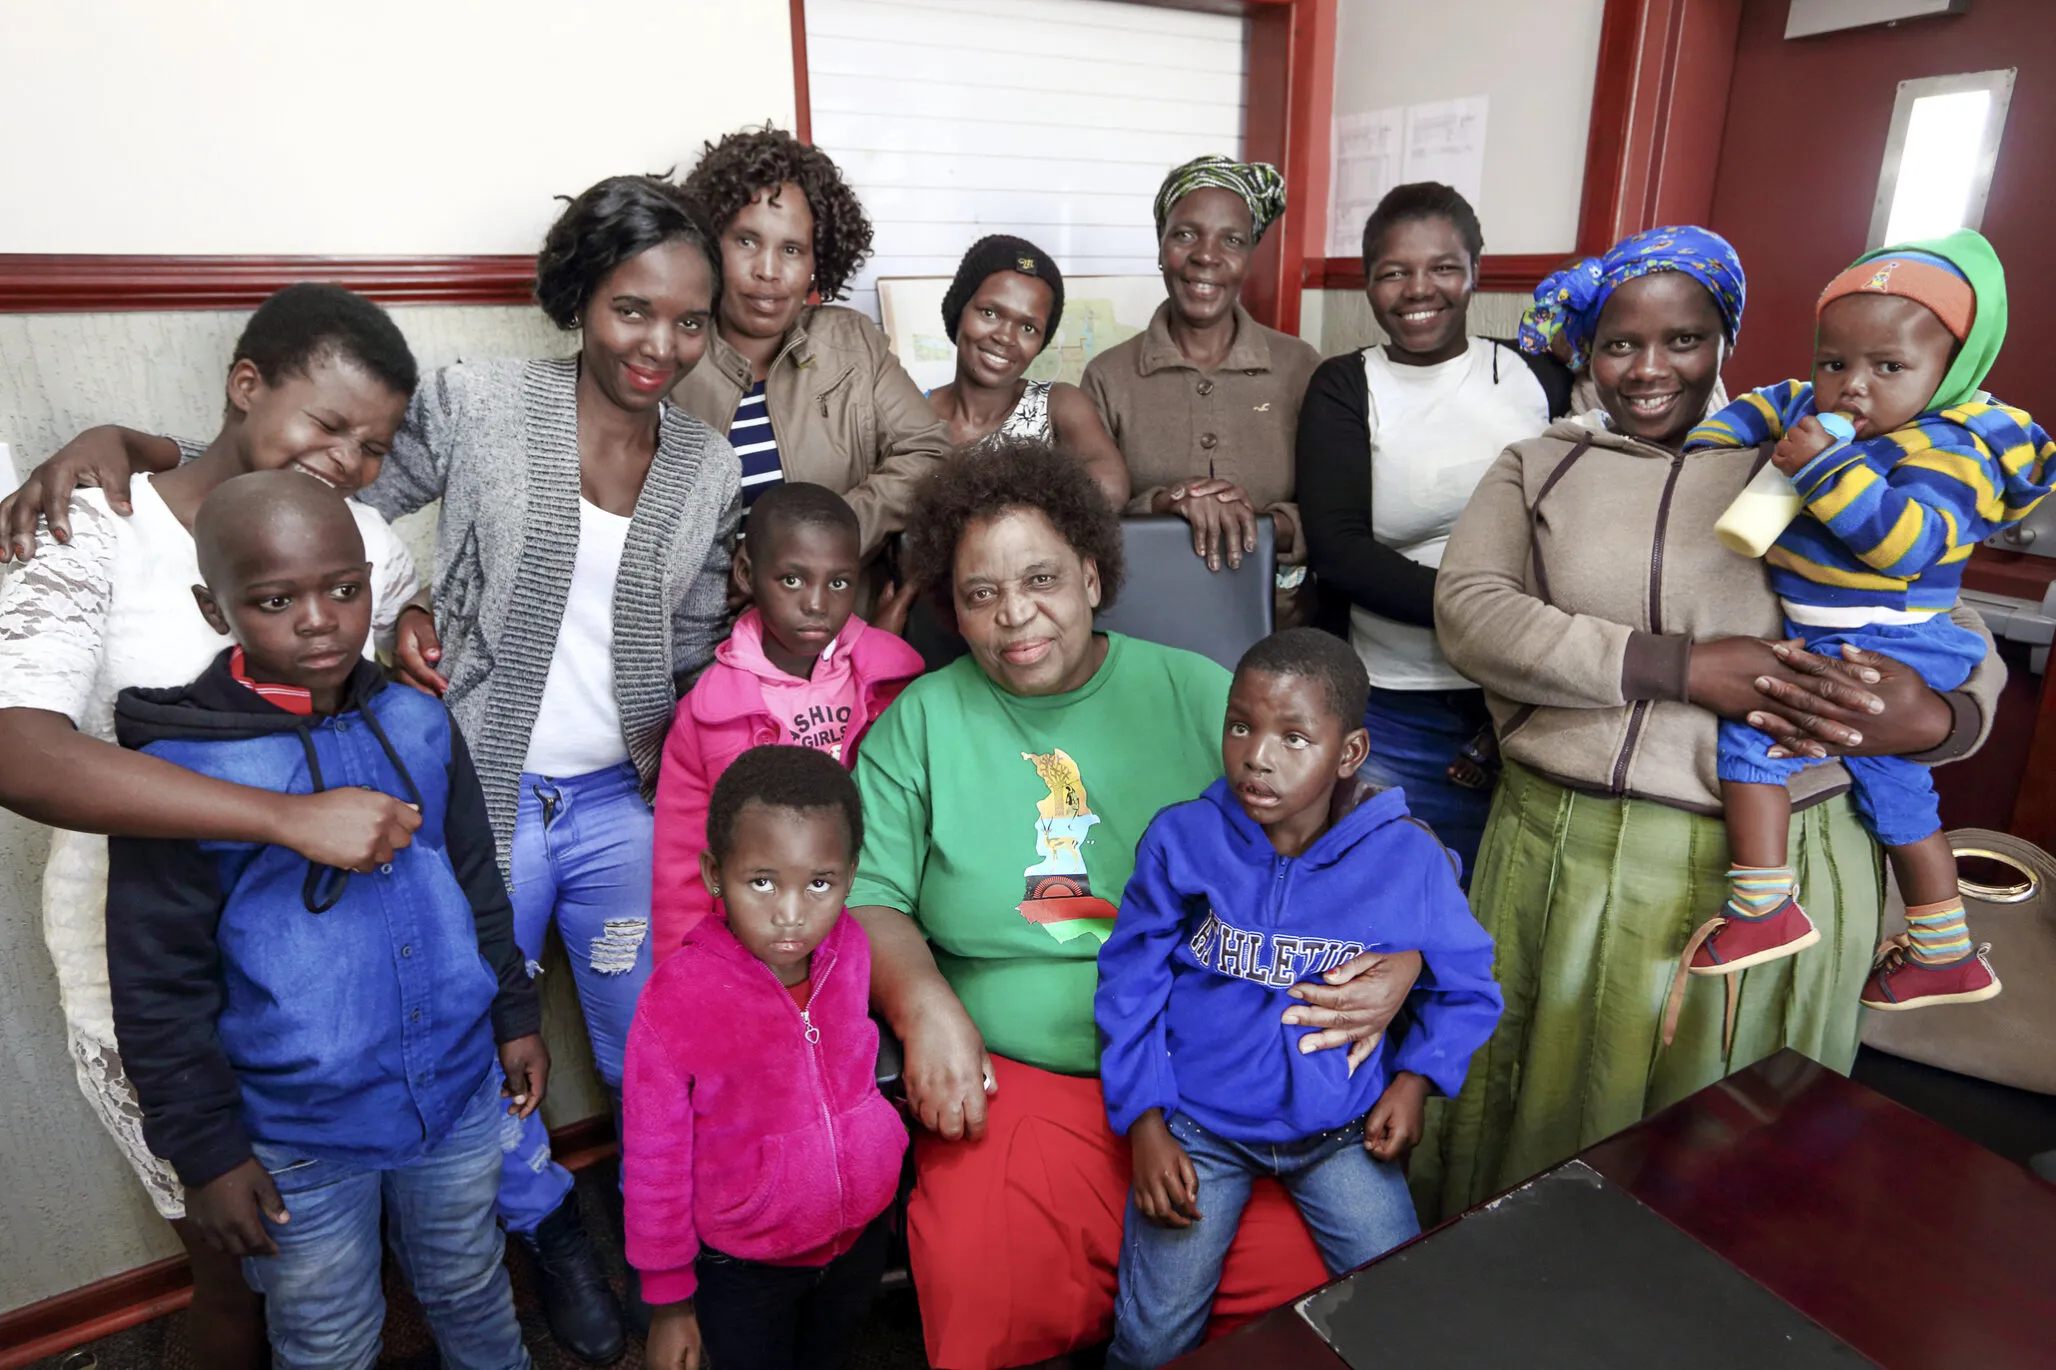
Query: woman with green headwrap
[[1205, 402]]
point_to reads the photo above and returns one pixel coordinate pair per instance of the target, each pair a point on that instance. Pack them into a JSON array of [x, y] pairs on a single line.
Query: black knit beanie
[[1000, 252]]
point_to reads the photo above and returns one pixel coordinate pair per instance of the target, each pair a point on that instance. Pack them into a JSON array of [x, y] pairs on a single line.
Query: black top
[[1334, 489]]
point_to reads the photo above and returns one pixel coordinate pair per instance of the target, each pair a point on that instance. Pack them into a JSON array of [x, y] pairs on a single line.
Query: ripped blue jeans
[[582, 858]]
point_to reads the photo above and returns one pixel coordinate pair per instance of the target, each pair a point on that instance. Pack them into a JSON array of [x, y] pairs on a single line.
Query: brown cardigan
[[1173, 421], [1572, 590]]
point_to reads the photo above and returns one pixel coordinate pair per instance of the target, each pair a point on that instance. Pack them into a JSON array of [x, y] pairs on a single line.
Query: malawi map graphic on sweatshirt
[[1060, 898]]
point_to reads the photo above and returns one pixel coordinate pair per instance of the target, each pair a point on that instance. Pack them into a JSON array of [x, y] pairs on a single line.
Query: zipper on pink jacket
[[813, 1036]]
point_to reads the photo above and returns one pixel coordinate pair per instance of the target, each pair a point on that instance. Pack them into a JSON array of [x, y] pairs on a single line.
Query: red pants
[[1016, 1237]]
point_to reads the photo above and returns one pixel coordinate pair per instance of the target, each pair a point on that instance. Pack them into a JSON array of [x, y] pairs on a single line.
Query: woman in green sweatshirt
[[1004, 797]]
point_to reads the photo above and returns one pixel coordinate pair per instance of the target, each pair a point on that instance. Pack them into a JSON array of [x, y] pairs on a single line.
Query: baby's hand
[[1166, 1186], [1800, 445], [1393, 1126]]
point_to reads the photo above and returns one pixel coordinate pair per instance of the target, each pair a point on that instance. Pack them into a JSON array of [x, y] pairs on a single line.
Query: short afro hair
[[734, 171], [1310, 654], [311, 322], [781, 777], [800, 504], [1000, 474], [1423, 200], [610, 222]]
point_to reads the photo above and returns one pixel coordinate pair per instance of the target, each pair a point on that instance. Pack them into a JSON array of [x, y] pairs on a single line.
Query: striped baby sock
[[1756, 891], [1937, 933]]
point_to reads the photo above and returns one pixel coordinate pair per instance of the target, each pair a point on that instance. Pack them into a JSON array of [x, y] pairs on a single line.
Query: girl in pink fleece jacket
[[759, 1156], [799, 668]]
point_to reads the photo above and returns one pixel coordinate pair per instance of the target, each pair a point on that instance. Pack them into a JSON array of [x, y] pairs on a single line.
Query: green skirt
[[1589, 902]]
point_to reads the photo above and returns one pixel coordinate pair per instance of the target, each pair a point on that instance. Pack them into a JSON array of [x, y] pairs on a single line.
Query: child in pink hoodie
[[760, 1156], [800, 668]]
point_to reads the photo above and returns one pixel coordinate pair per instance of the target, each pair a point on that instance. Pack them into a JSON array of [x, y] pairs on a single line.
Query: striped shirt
[[756, 446], [1889, 521]]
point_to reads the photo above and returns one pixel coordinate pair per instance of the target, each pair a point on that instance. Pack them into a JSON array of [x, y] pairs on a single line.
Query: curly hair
[[782, 777], [1003, 474], [1328, 661], [611, 221], [1423, 200], [734, 171]]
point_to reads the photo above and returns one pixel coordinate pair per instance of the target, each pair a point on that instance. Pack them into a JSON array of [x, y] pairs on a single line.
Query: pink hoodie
[[788, 1174], [743, 701]]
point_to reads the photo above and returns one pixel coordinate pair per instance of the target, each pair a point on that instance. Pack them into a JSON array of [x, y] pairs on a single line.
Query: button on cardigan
[[1174, 421]]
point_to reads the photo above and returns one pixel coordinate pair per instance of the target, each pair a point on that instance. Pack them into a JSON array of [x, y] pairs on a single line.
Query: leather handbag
[[2009, 1039]]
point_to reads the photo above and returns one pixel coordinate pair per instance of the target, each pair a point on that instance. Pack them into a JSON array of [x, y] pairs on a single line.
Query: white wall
[[1535, 60], [949, 132], [376, 127]]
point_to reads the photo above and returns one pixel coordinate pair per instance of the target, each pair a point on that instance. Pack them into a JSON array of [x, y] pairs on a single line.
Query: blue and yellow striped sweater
[[1889, 521]]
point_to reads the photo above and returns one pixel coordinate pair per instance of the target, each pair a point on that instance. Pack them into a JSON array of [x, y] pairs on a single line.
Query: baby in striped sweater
[[1874, 562]]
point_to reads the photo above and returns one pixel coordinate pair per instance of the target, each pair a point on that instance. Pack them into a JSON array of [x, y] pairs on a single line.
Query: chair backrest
[[1171, 598]]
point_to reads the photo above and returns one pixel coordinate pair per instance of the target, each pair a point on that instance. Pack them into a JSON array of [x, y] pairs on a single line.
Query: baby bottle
[[1768, 504]]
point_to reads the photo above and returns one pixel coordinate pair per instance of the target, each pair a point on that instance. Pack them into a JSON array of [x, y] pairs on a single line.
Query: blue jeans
[[582, 858], [1356, 1206], [1415, 734], [323, 1302]]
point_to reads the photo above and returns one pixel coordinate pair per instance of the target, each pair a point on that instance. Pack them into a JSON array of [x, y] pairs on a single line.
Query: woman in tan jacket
[[1205, 401], [1583, 587], [805, 392]]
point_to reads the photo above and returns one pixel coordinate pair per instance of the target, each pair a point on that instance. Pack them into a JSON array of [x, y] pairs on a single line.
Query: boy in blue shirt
[[314, 1047], [1283, 869]]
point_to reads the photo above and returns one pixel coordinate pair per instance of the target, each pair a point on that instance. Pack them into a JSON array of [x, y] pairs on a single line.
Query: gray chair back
[[1171, 598]]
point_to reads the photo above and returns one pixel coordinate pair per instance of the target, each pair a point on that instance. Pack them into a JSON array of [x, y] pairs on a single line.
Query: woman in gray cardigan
[[581, 558]]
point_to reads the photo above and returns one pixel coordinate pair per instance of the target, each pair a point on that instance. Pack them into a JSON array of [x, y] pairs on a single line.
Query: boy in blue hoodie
[[313, 1047], [1283, 869]]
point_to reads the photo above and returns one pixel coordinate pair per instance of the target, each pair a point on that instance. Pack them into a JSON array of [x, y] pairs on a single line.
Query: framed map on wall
[[1099, 311]]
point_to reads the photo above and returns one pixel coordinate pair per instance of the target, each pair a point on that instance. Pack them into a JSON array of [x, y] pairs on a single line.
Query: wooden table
[[1921, 1250]]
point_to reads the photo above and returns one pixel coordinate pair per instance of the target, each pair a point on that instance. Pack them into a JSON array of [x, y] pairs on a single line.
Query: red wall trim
[[49, 282], [98, 1310], [802, 97], [1496, 271], [1606, 141], [135, 1296]]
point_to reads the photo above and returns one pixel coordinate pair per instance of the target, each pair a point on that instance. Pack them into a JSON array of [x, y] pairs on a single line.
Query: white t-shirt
[[1435, 430], [109, 610], [578, 723]]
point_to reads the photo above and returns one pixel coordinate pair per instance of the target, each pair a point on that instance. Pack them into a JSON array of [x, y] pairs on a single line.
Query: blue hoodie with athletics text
[[1216, 927]]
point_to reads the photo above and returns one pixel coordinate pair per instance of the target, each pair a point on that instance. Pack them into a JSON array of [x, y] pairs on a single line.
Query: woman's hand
[[674, 1342], [1166, 1185], [419, 651], [1354, 1003], [1909, 716], [230, 1210], [1291, 542], [1222, 518], [1745, 678], [97, 457], [526, 1063], [947, 1072], [352, 829], [889, 614]]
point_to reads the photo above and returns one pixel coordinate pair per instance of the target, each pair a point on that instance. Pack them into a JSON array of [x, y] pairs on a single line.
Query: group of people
[[1074, 873]]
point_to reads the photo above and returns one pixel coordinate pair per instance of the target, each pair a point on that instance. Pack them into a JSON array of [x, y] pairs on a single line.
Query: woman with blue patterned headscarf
[[1205, 401], [1584, 589], [1567, 305]]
